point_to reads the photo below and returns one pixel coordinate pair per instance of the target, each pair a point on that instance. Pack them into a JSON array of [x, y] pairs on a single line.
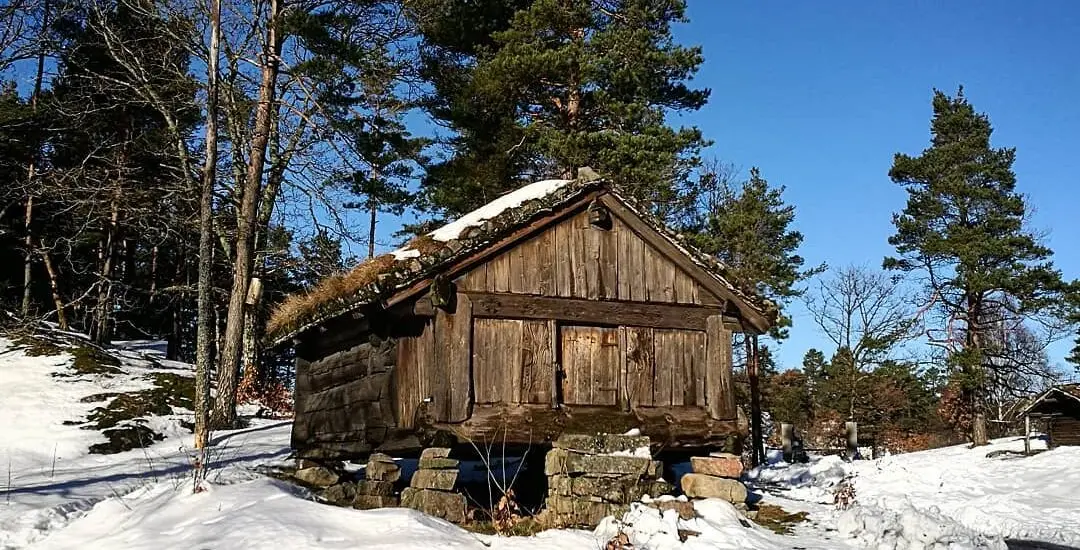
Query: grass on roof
[[335, 289]]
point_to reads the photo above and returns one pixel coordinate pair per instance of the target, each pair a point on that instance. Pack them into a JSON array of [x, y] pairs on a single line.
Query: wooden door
[[590, 364]]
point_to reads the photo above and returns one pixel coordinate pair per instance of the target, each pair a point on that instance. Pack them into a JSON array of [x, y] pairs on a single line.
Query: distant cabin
[[562, 306], [1059, 408]]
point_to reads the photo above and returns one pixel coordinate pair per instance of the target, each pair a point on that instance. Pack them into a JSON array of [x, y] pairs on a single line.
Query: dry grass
[[336, 289], [425, 244], [778, 520]]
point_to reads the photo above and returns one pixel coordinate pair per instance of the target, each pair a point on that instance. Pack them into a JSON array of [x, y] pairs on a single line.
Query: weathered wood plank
[[496, 359], [544, 268], [696, 375], [608, 261], [681, 316], [623, 394], [536, 362], [605, 367], [460, 360], [564, 271], [579, 285], [406, 391], [719, 386], [591, 245], [639, 366], [685, 292], [499, 273], [517, 266], [475, 279], [666, 356]]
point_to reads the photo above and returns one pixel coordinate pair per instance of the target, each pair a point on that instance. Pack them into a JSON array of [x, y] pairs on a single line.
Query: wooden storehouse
[[1059, 408], [561, 306]]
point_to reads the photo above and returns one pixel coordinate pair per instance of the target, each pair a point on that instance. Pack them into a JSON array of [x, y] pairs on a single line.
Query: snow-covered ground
[[950, 494], [56, 495]]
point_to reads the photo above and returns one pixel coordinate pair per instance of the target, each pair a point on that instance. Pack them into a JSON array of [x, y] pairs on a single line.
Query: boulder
[[442, 480], [705, 486], [317, 476], [438, 464], [441, 504], [368, 502], [723, 465]]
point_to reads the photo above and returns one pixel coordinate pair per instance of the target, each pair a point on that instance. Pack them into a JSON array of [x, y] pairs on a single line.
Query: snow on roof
[[490, 210]]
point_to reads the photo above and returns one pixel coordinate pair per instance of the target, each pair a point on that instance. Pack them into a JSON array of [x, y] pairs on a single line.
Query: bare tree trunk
[[225, 404], [100, 333], [756, 442], [58, 303], [28, 263], [204, 333]]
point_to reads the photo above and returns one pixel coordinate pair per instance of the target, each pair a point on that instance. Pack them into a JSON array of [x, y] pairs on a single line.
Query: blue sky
[[820, 95]]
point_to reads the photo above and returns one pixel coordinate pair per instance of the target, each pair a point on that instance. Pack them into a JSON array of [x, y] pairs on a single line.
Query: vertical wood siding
[[574, 259]]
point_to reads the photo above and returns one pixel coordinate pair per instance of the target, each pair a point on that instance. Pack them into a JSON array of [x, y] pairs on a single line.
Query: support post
[[1027, 434], [787, 436], [851, 430]]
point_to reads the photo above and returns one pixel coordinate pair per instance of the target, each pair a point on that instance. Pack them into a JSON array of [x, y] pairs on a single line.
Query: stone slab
[[438, 463], [375, 488], [441, 504], [562, 461], [368, 502], [601, 444], [729, 466], [684, 508], [378, 470], [705, 486], [442, 480], [435, 452]]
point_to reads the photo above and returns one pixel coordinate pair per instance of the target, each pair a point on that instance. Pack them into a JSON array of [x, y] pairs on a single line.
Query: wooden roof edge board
[[684, 256], [1042, 397]]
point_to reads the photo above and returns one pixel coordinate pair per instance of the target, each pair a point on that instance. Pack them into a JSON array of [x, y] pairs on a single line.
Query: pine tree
[[963, 229], [556, 85]]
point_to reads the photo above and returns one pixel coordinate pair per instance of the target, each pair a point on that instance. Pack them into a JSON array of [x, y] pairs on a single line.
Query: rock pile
[[715, 476], [377, 490], [590, 477], [431, 488]]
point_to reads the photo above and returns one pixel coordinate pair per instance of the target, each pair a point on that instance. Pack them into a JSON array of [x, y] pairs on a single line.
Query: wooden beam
[[637, 314], [532, 424], [684, 262]]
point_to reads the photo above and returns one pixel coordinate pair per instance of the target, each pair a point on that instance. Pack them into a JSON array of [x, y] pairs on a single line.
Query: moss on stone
[[37, 347], [122, 419]]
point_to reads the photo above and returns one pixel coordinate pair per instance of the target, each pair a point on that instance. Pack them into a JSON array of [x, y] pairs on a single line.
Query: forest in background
[[174, 168]]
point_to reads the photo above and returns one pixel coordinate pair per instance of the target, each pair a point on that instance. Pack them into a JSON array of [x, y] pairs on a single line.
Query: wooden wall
[[577, 260], [344, 402], [1065, 430]]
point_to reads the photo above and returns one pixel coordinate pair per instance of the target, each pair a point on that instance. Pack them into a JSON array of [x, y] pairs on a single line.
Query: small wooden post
[[1027, 434], [787, 436], [851, 429]]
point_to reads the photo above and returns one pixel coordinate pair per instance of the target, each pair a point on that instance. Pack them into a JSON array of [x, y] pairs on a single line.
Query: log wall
[[344, 403]]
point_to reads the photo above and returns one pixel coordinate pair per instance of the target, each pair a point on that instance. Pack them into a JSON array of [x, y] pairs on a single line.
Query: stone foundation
[[590, 477], [431, 488], [377, 491]]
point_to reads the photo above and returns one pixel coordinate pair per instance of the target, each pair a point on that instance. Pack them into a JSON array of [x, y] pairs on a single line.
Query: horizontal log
[[530, 424], [520, 306]]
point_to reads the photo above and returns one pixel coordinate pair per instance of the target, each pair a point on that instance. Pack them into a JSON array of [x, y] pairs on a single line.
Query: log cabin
[[1059, 408], [562, 306]]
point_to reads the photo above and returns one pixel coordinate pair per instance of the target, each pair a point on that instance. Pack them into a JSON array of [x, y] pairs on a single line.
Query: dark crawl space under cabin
[[561, 307]]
